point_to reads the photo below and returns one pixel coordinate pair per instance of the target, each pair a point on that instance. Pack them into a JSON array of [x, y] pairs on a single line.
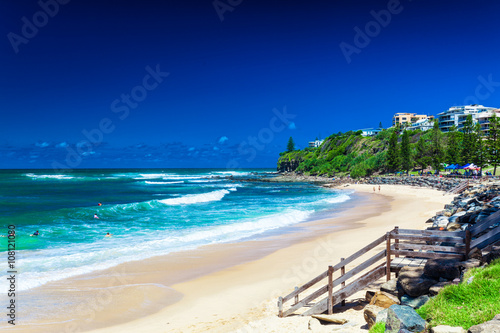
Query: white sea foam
[[163, 183], [204, 180], [235, 231], [32, 175], [196, 198], [342, 197], [231, 173], [149, 176]]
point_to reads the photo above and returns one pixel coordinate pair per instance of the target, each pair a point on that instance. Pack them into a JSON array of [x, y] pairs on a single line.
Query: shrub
[[359, 170]]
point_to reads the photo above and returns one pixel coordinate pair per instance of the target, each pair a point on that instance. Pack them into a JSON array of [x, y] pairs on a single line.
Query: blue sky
[[226, 83]]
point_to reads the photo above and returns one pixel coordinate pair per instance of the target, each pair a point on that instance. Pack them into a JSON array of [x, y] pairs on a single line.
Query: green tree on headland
[[480, 157], [290, 146], [436, 148], [453, 150], [392, 152], [468, 141], [493, 143], [421, 157], [406, 160]]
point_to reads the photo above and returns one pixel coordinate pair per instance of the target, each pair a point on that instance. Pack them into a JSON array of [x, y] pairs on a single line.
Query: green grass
[[466, 305], [490, 169], [378, 328]]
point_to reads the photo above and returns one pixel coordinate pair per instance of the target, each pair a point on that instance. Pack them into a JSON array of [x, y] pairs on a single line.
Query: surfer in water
[[36, 233], [108, 235], [96, 217], [11, 232]]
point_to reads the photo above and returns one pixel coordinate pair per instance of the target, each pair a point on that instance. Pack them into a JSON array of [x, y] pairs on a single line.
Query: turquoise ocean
[[148, 212]]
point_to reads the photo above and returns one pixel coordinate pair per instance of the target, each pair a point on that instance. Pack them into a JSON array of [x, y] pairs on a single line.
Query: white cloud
[[42, 144], [62, 145], [223, 139], [292, 126]]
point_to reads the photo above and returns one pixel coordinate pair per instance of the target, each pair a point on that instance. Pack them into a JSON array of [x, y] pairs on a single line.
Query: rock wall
[[439, 183]]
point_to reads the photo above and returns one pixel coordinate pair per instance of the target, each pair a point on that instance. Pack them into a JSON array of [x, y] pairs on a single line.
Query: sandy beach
[[230, 287]]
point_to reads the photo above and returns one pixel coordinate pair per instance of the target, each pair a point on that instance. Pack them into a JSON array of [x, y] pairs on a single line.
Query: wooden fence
[[403, 247], [459, 188]]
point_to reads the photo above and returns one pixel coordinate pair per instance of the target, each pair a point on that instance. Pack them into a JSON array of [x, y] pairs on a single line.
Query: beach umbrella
[[471, 167]]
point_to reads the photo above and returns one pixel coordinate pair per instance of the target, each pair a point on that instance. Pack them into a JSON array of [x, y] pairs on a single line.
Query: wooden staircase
[[459, 188], [402, 247]]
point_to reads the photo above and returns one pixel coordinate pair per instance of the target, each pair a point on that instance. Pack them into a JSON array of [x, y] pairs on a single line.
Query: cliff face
[[288, 166], [339, 153]]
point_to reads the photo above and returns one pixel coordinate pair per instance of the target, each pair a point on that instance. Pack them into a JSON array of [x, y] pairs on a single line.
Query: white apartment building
[[315, 143], [423, 124], [370, 131], [483, 119], [456, 115]]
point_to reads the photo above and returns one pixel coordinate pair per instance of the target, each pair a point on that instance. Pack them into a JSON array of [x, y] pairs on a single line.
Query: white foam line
[[197, 198]]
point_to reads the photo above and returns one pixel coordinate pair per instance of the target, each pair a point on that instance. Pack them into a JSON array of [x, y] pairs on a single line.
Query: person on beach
[[108, 235], [379, 189], [96, 217], [373, 189]]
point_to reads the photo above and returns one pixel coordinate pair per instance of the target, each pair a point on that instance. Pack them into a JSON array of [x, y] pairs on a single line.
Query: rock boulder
[[442, 268], [492, 326], [447, 329], [414, 282], [392, 287], [370, 313], [384, 300], [414, 302], [402, 317]]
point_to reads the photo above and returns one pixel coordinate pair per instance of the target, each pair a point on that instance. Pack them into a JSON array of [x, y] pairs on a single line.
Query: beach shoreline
[[223, 287]]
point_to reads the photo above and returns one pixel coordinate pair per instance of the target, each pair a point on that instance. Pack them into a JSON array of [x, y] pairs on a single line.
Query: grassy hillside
[[345, 153]]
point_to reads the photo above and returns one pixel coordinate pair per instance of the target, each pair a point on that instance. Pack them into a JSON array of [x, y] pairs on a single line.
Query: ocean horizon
[[148, 212]]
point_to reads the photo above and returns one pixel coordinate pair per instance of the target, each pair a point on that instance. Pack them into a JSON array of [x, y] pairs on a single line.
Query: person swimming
[[99, 204], [108, 235], [96, 217], [36, 233], [11, 232]]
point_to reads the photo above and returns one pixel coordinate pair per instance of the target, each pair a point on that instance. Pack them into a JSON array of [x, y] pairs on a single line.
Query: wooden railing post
[[396, 241], [280, 307], [342, 272], [467, 243], [296, 296], [388, 256], [330, 290]]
